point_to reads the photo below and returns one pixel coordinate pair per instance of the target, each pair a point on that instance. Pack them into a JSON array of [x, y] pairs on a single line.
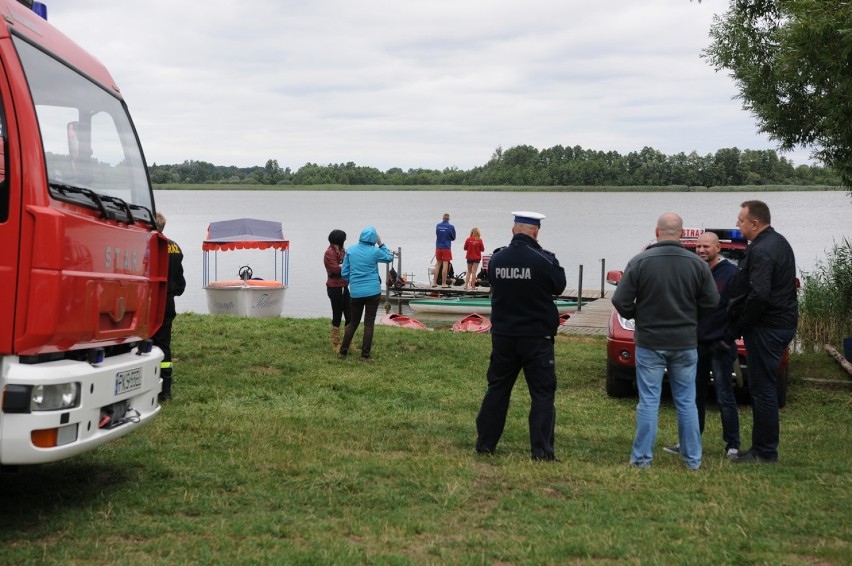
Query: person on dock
[[765, 311], [336, 287], [445, 233], [176, 286], [524, 279], [714, 354], [665, 289], [473, 248], [361, 270]]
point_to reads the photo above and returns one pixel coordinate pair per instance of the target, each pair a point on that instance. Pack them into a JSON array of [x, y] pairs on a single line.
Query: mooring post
[[580, 291], [387, 278], [603, 276]]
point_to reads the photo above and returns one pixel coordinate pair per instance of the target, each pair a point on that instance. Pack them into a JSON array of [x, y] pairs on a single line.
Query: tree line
[[525, 165]]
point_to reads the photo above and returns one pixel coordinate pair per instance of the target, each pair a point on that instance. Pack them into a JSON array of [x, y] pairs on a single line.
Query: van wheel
[[619, 383]]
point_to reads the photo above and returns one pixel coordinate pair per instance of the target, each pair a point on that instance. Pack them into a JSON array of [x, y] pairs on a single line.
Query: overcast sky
[[407, 83]]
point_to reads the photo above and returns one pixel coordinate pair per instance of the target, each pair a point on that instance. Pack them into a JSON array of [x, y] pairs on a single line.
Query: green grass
[[274, 451]]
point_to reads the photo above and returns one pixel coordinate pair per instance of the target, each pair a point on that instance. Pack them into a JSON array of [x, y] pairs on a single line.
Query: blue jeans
[[765, 347], [650, 368], [718, 357]]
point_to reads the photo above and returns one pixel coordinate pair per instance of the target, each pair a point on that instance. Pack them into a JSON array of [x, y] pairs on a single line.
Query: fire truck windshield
[[88, 138]]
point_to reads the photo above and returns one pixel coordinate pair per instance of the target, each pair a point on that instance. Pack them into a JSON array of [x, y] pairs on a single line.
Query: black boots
[[166, 393]]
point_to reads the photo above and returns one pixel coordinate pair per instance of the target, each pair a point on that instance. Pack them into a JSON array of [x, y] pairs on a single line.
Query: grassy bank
[[274, 451], [503, 188]]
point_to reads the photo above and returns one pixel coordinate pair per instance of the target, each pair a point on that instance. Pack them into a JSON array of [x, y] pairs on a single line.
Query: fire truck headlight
[[55, 397]]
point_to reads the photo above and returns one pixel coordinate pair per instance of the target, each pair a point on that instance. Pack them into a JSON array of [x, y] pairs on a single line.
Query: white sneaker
[[673, 449], [732, 453]]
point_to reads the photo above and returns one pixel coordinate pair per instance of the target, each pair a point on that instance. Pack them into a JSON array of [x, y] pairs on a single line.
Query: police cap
[[526, 217]]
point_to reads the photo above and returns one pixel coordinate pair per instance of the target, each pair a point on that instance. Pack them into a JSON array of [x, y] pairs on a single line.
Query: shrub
[[825, 300]]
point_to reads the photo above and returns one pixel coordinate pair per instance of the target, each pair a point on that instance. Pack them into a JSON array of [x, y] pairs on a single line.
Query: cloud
[[411, 84]]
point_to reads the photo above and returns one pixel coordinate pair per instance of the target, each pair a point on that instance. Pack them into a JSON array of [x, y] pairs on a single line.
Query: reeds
[[825, 300]]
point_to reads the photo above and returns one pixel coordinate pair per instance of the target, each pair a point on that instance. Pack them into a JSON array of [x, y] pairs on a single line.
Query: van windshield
[[91, 151]]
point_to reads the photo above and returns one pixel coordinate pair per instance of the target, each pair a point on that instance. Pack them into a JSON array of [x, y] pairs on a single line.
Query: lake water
[[592, 230]]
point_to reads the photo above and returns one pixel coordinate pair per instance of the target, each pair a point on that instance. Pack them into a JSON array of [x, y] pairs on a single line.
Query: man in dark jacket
[[524, 279], [665, 289], [713, 352], [163, 338], [765, 312]]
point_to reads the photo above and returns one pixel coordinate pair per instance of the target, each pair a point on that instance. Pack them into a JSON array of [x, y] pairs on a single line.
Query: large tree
[[792, 62]]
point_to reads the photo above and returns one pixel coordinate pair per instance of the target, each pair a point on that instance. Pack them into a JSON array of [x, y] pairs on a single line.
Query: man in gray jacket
[[665, 289]]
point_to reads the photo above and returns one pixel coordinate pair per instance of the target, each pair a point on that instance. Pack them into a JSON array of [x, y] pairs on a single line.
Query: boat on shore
[[401, 321], [473, 322], [246, 296], [467, 305]]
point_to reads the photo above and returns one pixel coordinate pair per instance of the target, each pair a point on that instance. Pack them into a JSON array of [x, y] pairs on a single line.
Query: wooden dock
[[592, 319]]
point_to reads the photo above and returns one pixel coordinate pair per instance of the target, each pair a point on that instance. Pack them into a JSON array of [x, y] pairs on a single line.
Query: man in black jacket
[[765, 312], [524, 280]]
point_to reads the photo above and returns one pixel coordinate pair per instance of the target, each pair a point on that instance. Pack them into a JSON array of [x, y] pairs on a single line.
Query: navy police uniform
[[524, 279]]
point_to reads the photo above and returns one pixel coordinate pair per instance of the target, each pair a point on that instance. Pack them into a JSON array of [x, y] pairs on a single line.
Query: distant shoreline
[[500, 188]]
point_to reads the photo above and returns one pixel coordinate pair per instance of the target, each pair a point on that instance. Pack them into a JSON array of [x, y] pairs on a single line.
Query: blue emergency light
[[40, 8], [728, 233]]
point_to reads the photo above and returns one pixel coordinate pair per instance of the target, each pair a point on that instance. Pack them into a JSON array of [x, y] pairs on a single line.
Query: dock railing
[[410, 283]]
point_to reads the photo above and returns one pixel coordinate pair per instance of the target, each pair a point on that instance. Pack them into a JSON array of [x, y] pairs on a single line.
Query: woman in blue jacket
[[361, 270]]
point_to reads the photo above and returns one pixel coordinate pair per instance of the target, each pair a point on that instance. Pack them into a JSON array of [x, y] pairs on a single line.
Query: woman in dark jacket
[[336, 286]]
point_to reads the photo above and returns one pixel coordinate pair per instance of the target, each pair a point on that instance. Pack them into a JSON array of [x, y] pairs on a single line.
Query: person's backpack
[[451, 274], [482, 278], [395, 281]]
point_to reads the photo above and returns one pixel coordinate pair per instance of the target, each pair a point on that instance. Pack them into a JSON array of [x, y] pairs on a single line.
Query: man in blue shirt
[[445, 234], [714, 354]]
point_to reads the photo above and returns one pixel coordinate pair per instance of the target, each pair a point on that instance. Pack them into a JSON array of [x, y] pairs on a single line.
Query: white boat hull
[[252, 302]]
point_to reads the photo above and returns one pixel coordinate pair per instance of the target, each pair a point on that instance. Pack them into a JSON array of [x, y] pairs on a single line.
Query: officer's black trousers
[[509, 355]]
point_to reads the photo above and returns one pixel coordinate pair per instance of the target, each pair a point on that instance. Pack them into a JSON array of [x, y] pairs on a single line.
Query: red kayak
[[396, 319], [473, 323]]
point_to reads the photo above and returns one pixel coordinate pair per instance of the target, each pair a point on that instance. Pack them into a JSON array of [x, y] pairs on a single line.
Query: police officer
[[163, 338], [524, 279]]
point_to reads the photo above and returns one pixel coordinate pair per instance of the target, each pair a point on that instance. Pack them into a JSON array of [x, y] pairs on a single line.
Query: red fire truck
[[83, 269]]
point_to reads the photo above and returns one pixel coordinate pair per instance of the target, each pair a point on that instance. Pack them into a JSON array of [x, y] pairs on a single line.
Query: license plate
[[128, 381]]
